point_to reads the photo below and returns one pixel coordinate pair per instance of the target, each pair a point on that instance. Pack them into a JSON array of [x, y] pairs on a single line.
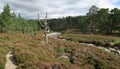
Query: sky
[[55, 8]]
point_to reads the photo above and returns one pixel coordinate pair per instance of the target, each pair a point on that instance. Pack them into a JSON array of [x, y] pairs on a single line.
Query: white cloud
[[55, 8], [114, 1], [105, 4]]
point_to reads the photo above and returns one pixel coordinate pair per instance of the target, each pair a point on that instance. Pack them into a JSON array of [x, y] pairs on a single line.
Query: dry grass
[[31, 52]]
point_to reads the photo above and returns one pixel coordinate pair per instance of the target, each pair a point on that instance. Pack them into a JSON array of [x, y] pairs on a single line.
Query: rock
[[116, 52], [90, 44], [105, 49], [65, 57], [112, 49]]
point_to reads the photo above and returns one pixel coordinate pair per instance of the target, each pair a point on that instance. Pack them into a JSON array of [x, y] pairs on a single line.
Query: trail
[[55, 34], [10, 63]]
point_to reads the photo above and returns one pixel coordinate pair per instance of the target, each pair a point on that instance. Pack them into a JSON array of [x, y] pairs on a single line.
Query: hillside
[[31, 52]]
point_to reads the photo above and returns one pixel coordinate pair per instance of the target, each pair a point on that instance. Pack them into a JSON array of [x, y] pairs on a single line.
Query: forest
[[96, 21]]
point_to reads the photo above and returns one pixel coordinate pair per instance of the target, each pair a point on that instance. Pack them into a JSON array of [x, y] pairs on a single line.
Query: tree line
[[10, 22], [97, 20]]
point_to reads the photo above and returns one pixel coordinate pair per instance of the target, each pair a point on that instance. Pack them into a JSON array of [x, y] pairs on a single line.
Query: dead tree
[[44, 24]]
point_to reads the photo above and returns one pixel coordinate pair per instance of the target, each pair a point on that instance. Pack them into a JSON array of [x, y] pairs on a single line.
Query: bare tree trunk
[[46, 27], [46, 37]]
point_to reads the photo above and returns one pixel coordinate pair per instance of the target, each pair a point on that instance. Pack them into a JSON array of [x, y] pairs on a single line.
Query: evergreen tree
[[6, 17], [115, 20]]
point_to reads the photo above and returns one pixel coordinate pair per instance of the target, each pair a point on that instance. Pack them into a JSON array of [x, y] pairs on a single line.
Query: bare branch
[[46, 19], [40, 21], [46, 27]]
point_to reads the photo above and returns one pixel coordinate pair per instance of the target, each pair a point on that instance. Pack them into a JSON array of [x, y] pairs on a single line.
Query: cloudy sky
[[55, 8]]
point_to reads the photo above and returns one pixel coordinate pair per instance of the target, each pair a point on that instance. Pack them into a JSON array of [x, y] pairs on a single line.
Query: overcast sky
[[55, 8]]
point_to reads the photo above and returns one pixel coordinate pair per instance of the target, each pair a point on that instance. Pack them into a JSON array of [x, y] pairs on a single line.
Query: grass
[[90, 38], [3, 52], [4, 48], [47, 55], [31, 52]]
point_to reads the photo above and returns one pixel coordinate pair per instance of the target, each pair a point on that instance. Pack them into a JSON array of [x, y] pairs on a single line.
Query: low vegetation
[[47, 55], [107, 41], [31, 52], [4, 48], [3, 51]]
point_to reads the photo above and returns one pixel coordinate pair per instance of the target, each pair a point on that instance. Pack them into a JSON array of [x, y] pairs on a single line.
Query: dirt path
[[10, 63], [55, 34]]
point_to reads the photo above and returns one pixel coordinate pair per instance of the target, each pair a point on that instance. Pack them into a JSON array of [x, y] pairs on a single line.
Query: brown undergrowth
[[31, 52]]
